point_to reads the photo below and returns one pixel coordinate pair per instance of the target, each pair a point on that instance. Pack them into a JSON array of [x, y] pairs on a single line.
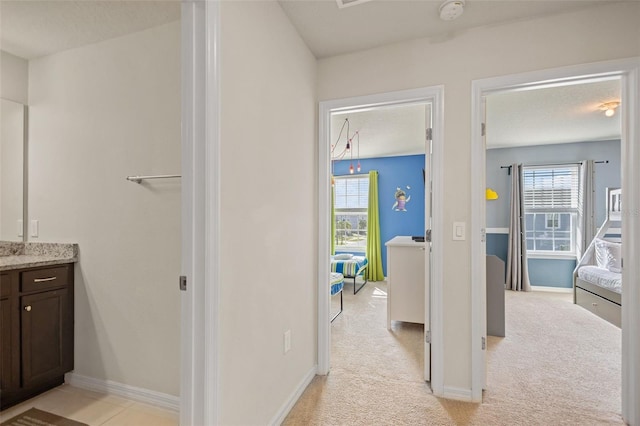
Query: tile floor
[[95, 409]]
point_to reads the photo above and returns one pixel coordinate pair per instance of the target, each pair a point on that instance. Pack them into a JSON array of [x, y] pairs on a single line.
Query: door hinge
[[183, 283], [483, 129], [427, 235], [429, 133], [427, 337], [484, 343], [483, 235]]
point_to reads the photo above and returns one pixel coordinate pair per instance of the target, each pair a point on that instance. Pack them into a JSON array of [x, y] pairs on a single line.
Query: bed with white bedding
[[598, 276]]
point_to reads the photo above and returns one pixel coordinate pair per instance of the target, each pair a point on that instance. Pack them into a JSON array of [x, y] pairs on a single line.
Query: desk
[[405, 280]]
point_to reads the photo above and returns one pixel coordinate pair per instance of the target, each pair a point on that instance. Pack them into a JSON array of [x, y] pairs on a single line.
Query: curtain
[[374, 250], [517, 270], [333, 218], [586, 226]]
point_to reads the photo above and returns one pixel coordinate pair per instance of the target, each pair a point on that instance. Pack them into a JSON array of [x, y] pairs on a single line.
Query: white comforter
[[601, 277]]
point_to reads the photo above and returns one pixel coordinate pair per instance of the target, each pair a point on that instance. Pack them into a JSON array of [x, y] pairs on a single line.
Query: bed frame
[[603, 302]]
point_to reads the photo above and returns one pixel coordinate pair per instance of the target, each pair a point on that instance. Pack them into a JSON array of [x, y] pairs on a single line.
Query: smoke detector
[[451, 9]]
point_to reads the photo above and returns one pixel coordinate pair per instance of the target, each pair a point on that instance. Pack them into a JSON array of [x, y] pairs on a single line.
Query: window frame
[[574, 174], [351, 211]]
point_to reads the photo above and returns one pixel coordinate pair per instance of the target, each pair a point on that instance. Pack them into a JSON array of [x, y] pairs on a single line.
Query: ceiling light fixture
[[349, 148], [451, 9], [609, 108]]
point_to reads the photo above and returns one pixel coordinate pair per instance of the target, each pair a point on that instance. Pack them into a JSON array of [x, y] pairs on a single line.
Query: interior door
[[427, 226], [483, 213]]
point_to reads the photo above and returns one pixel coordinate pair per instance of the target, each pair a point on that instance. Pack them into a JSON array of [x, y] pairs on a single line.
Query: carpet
[[558, 365], [35, 417]]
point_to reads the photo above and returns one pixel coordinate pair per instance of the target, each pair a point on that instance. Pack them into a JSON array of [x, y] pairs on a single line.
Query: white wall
[[268, 216], [97, 114], [11, 168], [14, 73], [485, 52]]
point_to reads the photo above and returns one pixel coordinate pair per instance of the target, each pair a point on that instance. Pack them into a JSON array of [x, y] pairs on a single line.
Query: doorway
[[433, 97], [627, 71]]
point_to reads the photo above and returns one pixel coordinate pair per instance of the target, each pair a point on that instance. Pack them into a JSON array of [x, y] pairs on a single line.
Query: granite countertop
[[29, 255]]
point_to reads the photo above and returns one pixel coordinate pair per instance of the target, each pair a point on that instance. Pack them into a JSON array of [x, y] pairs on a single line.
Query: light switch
[[459, 231]]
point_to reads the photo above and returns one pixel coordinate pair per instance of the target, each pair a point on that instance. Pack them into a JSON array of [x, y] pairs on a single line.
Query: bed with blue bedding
[[350, 266], [336, 284]]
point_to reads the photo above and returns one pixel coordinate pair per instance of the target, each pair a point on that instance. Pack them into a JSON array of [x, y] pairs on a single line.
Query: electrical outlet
[[35, 228], [287, 341]]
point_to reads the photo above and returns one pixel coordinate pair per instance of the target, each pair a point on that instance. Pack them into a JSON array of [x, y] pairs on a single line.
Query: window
[[351, 204], [551, 209]]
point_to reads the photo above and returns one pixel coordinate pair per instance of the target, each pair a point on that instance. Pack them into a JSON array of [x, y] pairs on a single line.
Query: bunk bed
[[597, 278]]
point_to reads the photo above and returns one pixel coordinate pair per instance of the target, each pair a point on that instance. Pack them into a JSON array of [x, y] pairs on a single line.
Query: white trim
[[551, 289], [435, 95], [159, 399], [199, 378], [293, 398], [628, 70], [458, 394], [550, 255], [497, 230]]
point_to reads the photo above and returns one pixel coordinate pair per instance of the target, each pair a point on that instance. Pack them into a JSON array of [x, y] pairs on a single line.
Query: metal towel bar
[[139, 179]]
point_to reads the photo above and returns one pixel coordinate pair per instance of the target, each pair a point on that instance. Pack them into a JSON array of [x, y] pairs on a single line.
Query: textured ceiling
[[552, 115], [384, 132], [329, 30], [30, 28]]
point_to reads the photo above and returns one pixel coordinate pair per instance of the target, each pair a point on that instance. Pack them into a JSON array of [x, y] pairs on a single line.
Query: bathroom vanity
[[36, 318]]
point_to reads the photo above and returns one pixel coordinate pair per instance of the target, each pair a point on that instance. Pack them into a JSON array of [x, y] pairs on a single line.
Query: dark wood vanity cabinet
[[36, 331]]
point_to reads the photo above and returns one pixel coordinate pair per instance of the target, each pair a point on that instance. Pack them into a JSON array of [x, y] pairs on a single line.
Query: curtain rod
[[554, 164]]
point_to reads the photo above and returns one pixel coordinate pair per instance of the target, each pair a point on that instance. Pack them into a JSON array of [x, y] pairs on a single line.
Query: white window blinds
[[352, 193], [551, 188]]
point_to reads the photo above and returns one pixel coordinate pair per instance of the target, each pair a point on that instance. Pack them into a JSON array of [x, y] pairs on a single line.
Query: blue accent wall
[[395, 172], [542, 272], [547, 272]]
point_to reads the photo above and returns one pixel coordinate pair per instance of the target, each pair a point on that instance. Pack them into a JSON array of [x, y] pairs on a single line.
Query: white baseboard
[[458, 394], [288, 405], [551, 289], [134, 393]]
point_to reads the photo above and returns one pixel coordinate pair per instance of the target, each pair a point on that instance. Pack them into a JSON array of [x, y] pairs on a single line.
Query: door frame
[[435, 96], [200, 149], [629, 72]]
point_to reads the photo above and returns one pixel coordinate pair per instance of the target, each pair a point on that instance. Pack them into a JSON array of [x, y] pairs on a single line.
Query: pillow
[[343, 256], [608, 255]]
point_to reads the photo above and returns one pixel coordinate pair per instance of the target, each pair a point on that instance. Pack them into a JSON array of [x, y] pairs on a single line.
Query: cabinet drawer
[[43, 279], [601, 307]]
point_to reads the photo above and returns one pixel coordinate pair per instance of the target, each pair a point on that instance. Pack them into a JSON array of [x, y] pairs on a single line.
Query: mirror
[[12, 149]]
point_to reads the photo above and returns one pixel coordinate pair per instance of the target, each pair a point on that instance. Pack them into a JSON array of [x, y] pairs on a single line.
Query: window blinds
[[551, 188], [351, 192]]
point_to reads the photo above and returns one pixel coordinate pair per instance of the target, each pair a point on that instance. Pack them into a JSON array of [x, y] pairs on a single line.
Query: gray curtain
[[517, 270], [586, 226]]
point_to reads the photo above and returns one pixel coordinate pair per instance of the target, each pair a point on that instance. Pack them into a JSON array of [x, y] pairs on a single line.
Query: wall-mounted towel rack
[[139, 179]]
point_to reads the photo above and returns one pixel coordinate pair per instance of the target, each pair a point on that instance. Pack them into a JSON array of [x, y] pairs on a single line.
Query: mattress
[[601, 277], [336, 282], [349, 267]]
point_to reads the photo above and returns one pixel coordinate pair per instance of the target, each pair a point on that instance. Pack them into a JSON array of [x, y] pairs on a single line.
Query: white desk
[[405, 280]]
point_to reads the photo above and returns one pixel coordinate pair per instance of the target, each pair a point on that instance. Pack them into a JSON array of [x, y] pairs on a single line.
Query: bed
[[350, 266], [336, 284], [597, 278]]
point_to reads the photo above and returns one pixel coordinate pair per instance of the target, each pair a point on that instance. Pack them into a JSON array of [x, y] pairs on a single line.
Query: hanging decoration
[[337, 154]]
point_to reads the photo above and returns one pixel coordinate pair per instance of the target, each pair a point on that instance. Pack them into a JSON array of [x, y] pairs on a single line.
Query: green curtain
[[333, 218], [374, 249]]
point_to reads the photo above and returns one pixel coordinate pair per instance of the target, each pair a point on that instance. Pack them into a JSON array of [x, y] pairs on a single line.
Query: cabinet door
[[47, 336], [5, 344]]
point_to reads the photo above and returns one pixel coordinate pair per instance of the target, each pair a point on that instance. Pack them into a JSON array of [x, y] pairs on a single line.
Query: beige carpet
[[558, 364]]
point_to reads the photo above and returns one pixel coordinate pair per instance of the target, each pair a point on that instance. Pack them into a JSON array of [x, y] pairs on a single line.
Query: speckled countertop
[[29, 255]]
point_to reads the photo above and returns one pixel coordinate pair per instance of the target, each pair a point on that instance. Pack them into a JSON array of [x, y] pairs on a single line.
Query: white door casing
[[434, 96], [427, 253], [199, 376], [628, 70]]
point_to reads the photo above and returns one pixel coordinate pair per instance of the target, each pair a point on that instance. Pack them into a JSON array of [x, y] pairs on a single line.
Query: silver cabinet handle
[[44, 280], [27, 308]]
